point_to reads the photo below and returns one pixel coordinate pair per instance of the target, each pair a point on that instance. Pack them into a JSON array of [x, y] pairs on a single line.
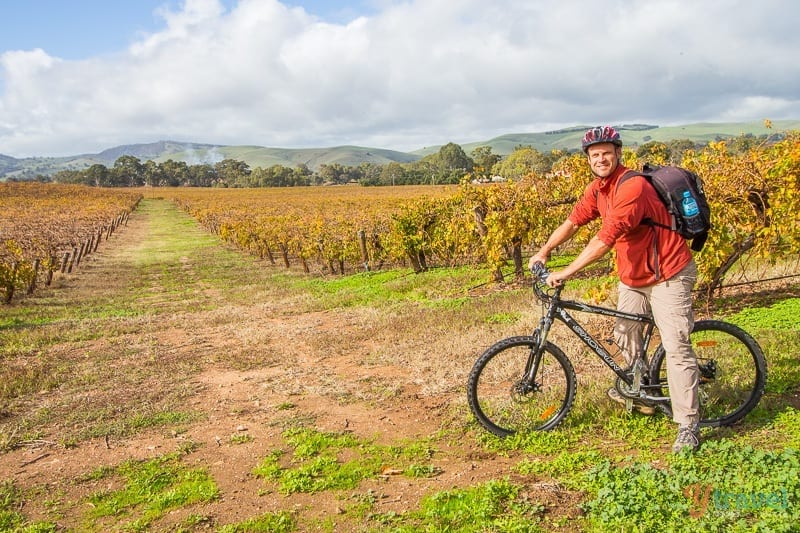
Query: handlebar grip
[[540, 271]]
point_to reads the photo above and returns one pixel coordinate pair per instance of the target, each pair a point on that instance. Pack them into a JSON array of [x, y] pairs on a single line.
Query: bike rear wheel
[[733, 372], [505, 402]]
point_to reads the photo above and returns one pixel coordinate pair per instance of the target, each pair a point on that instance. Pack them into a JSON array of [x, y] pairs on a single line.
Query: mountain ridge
[[348, 155]]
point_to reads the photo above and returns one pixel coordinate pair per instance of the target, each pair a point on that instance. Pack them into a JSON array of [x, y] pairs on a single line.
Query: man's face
[[603, 159]]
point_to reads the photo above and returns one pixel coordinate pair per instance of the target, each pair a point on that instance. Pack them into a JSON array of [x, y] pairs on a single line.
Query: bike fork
[[539, 340]]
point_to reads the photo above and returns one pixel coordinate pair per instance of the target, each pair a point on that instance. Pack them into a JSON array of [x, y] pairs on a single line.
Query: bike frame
[[557, 310]]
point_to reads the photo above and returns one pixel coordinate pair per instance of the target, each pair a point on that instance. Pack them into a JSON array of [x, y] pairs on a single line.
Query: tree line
[[450, 165]]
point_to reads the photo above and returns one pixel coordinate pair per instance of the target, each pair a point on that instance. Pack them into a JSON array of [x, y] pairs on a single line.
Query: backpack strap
[[699, 240], [647, 220]]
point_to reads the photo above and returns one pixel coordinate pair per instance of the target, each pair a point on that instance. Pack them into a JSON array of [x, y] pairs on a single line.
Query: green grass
[[504, 318], [779, 316], [436, 288], [634, 484], [741, 479], [11, 519], [723, 487], [280, 522], [150, 418], [492, 506], [150, 489], [316, 465]]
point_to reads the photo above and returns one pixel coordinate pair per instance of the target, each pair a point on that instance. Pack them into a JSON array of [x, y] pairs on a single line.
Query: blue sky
[[81, 76], [78, 29]]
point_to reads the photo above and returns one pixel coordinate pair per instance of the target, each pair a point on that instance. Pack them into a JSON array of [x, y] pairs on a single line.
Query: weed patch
[[723, 487], [150, 489], [11, 518], [493, 506], [782, 315], [317, 464], [281, 522]]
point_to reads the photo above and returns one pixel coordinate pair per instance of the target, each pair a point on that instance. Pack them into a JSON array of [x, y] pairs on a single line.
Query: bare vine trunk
[[716, 278]]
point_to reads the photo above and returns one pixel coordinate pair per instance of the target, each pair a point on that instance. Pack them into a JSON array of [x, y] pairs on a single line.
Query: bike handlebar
[[540, 271], [540, 275]]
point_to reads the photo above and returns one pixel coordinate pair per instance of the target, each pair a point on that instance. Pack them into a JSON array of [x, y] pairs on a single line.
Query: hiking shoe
[[688, 438], [638, 405]]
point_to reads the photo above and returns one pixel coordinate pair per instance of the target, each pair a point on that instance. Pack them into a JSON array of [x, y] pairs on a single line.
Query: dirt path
[[184, 325]]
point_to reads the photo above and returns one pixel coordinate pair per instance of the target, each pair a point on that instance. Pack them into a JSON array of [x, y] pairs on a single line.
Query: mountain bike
[[527, 383]]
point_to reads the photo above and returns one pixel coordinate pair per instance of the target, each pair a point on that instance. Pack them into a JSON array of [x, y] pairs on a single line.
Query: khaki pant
[[671, 304]]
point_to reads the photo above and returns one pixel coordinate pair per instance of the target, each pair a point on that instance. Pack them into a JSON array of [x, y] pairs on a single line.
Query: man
[[654, 264]]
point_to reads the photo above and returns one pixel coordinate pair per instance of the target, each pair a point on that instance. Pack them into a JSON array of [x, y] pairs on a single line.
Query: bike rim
[[506, 403], [731, 380]]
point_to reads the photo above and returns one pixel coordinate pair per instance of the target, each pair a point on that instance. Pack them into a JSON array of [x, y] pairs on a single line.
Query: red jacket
[[646, 254]]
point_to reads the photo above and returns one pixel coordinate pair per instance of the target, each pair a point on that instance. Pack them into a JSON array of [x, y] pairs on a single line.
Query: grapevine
[[47, 227], [753, 196]]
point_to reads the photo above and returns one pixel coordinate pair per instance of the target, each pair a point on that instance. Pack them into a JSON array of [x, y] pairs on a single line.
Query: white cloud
[[416, 73]]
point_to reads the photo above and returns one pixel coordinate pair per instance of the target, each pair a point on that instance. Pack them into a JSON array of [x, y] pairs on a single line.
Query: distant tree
[[448, 165], [334, 173], [453, 163], [301, 175], [660, 153], [70, 176], [370, 174], [484, 161], [743, 143], [203, 175], [393, 174], [97, 175], [678, 147], [151, 172], [276, 176], [127, 171], [174, 173], [523, 161], [654, 152], [263, 177], [233, 173]]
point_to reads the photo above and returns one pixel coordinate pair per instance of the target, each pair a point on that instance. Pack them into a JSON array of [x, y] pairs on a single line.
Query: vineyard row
[[45, 229]]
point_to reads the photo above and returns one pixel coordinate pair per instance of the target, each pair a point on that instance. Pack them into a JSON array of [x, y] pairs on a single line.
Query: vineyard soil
[[247, 360]]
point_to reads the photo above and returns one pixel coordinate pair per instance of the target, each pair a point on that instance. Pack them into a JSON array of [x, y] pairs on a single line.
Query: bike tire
[[495, 390], [729, 392]]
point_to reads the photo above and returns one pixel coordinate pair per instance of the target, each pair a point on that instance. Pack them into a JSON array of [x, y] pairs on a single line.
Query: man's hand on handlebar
[[556, 279], [538, 258], [552, 279]]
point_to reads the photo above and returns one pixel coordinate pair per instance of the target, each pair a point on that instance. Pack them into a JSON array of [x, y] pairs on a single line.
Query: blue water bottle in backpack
[[691, 213]]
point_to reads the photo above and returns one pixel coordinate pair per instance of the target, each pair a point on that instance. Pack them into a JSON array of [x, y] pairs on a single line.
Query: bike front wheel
[[733, 372], [506, 399]]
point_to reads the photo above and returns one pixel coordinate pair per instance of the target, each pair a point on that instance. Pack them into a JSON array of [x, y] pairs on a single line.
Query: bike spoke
[[509, 401], [732, 372]]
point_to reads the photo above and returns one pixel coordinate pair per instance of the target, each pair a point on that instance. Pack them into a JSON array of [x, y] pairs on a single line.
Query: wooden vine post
[[32, 284], [64, 262], [285, 253], [362, 244]]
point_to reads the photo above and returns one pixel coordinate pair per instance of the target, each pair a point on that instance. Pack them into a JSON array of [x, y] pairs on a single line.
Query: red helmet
[[601, 134]]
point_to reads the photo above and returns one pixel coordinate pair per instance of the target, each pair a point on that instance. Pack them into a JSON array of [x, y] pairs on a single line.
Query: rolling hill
[[260, 156], [632, 135]]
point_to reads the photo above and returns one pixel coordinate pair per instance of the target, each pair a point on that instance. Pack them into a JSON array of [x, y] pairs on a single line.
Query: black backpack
[[672, 184]]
